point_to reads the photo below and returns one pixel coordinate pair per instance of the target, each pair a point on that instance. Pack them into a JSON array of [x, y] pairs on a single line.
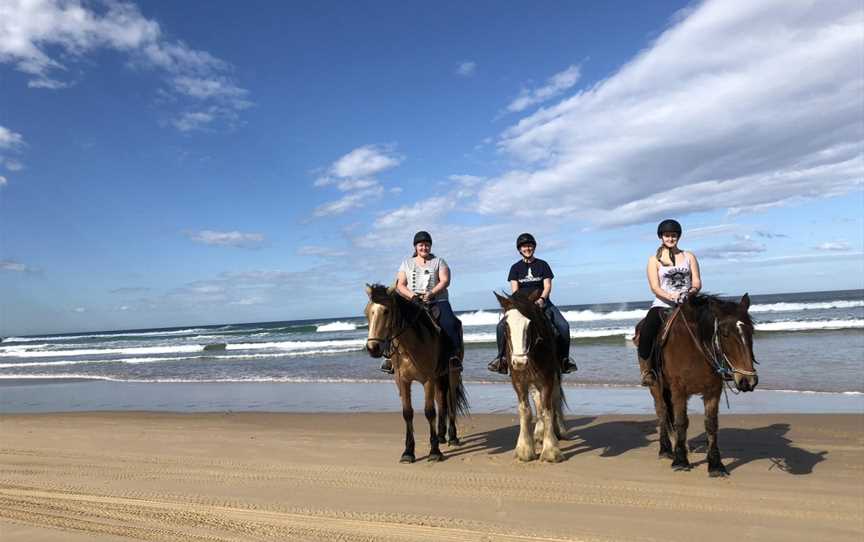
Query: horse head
[[379, 312], [733, 340], [519, 311]]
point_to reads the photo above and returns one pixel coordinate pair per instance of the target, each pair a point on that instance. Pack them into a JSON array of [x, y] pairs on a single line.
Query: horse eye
[[386, 311]]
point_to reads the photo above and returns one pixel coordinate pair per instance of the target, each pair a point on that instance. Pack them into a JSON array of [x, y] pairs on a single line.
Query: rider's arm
[[402, 285], [443, 281], [514, 286], [547, 289], [695, 275], [654, 281]]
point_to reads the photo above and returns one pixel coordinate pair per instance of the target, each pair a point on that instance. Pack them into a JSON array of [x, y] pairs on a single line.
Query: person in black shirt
[[529, 274]]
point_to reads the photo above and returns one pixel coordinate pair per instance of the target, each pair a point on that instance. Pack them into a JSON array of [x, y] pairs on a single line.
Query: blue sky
[[166, 163]]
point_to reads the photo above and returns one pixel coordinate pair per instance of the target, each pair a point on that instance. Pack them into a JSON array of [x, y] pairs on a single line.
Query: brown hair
[[671, 252]]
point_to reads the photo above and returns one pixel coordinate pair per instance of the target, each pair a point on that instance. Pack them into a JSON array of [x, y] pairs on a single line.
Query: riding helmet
[[669, 226], [525, 239], [422, 237]]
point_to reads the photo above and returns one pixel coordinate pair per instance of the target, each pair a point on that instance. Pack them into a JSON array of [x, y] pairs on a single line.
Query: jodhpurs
[[449, 325], [554, 315], [648, 333]]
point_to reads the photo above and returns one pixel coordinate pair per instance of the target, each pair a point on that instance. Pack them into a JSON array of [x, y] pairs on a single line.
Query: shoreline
[[122, 476], [336, 397]]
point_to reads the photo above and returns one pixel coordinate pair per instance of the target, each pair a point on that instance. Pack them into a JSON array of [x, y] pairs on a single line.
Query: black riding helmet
[[525, 239], [422, 237], [669, 226]]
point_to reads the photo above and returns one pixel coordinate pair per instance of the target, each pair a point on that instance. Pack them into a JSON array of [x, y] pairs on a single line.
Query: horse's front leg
[[408, 416], [429, 410], [525, 442], [715, 465], [663, 417], [441, 399], [679, 409], [539, 421], [551, 452]]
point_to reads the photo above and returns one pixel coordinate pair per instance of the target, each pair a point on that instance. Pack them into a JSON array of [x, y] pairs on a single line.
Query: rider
[[527, 275], [673, 275], [424, 278]]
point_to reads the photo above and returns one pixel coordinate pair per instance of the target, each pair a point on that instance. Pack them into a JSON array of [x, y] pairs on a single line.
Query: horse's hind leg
[[551, 452], [408, 416], [441, 398], [679, 409], [429, 410], [663, 422], [715, 465]]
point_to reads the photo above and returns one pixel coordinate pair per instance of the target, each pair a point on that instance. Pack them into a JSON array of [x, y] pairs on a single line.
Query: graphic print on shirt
[[677, 277], [530, 277]]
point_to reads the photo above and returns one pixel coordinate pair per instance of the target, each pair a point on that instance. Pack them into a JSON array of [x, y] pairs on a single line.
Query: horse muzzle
[[374, 349], [518, 362], [746, 382]]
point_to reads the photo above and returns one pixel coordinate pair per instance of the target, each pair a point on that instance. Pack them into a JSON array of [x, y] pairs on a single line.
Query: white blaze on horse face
[[518, 325], [740, 325]]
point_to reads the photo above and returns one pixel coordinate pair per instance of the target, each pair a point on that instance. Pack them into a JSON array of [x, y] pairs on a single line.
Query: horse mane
[[405, 312], [708, 307]]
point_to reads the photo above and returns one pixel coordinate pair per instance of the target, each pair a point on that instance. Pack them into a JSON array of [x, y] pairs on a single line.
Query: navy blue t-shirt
[[530, 275]]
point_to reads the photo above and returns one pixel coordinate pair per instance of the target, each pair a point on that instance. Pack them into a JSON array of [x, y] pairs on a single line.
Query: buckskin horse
[[409, 335], [705, 343], [531, 356]]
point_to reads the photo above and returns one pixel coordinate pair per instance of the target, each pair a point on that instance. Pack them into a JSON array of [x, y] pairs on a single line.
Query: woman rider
[[673, 275], [424, 277], [527, 275]]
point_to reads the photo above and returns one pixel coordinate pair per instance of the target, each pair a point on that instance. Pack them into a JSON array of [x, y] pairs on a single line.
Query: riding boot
[[455, 364], [648, 376], [498, 365], [387, 366], [567, 365]]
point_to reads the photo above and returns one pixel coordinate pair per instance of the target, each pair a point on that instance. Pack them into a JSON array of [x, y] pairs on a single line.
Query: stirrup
[[387, 366], [498, 365], [648, 378], [567, 366], [455, 364]]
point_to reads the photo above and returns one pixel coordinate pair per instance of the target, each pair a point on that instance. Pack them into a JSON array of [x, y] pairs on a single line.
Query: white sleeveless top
[[422, 278], [674, 279]]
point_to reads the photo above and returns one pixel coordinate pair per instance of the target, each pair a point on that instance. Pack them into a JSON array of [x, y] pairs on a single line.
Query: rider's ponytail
[[672, 253]]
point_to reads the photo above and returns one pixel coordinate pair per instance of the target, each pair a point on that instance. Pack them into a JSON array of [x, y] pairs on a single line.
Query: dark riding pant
[[554, 315], [449, 325], [649, 331]]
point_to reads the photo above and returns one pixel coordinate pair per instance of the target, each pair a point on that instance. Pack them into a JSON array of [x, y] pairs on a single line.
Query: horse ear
[[745, 302], [369, 290], [503, 301], [534, 296], [391, 289]]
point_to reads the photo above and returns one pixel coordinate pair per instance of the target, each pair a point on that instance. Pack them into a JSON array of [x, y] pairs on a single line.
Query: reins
[[390, 325]]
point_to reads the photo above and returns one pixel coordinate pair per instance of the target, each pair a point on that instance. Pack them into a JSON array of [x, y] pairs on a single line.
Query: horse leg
[[539, 422], [715, 465], [429, 410], [441, 399], [551, 452], [408, 416], [679, 409], [525, 442], [662, 422]]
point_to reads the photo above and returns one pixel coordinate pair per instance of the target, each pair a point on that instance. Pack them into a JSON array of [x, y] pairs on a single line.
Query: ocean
[[808, 345]]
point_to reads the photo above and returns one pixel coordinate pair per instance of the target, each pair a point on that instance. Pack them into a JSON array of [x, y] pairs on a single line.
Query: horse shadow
[[742, 446]]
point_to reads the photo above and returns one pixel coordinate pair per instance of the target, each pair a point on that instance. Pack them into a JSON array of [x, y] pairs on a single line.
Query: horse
[[705, 343], [531, 354], [407, 333]]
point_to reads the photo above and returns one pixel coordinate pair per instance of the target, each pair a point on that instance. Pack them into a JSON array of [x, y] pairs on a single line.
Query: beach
[[335, 476]]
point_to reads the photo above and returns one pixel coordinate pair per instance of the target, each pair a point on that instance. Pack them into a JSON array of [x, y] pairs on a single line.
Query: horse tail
[[457, 397], [559, 403]]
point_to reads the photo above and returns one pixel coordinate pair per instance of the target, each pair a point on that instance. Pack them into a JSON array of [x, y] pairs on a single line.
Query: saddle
[[667, 317]]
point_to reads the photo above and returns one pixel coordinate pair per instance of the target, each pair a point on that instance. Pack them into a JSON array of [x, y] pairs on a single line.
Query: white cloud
[[191, 121], [3, 181], [554, 86], [350, 201], [12, 265], [324, 252], [834, 246], [738, 106], [741, 248], [365, 161], [72, 29], [227, 238], [10, 140], [355, 184], [13, 165], [467, 68], [79, 309]]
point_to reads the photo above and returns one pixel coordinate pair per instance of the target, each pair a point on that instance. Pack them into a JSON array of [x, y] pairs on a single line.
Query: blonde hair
[[674, 251]]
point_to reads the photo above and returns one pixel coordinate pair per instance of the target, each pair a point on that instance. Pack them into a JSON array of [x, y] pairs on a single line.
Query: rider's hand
[[541, 301], [682, 298], [427, 297]]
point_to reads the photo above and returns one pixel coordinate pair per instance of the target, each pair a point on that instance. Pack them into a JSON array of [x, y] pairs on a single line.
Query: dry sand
[[213, 477]]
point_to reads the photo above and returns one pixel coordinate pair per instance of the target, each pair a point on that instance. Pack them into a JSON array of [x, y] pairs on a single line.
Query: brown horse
[[409, 335], [708, 341], [531, 355]]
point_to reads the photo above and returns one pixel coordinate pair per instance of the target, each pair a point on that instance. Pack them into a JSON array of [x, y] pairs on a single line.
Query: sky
[[186, 163]]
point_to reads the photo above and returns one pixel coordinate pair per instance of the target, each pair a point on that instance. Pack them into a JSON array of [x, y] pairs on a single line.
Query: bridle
[[390, 325], [715, 356]]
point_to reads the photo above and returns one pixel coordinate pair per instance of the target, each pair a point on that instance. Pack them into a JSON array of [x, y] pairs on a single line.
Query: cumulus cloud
[[42, 37], [355, 173], [365, 161], [10, 142], [350, 201], [834, 246], [467, 68], [741, 248], [227, 238], [739, 107], [15, 267], [554, 86], [3, 181]]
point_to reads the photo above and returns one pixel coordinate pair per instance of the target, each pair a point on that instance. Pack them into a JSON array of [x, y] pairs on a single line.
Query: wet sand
[[112, 476]]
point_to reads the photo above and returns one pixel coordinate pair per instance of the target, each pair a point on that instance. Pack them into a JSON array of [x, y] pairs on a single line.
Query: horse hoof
[[665, 454], [454, 442], [441, 440], [552, 457], [435, 457], [406, 458], [719, 472], [681, 467], [525, 458]]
